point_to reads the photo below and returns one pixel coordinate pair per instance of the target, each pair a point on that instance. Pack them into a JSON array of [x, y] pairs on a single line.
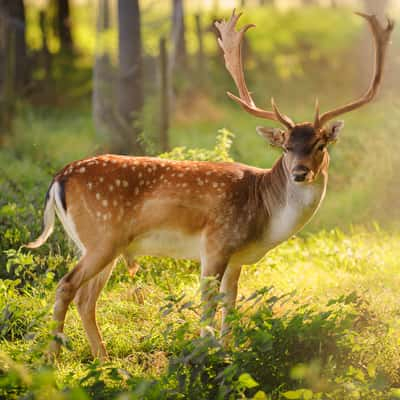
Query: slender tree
[[376, 7], [309, 2], [13, 61], [130, 80], [179, 54], [266, 2], [366, 49], [64, 24], [102, 97], [14, 24]]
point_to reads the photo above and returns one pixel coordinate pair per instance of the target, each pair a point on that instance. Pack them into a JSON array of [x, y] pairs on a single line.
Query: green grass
[[357, 272]]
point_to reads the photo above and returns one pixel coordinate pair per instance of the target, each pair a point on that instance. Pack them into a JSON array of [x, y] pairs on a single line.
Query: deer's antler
[[381, 38], [231, 44]]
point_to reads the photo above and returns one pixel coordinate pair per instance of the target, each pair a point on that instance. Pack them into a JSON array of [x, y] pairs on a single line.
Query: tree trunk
[[103, 82], [164, 96], [366, 48], [13, 15], [64, 25], [130, 85], [179, 54], [376, 7], [201, 64], [7, 99], [45, 53], [266, 2]]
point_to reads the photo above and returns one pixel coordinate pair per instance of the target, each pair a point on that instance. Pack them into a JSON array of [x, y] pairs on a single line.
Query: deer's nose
[[300, 173]]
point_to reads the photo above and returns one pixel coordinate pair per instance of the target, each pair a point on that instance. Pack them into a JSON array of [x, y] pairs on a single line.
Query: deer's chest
[[288, 219], [284, 222]]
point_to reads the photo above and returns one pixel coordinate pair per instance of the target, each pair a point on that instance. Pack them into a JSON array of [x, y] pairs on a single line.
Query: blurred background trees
[[130, 77], [121, 82], [139, 77], [64, 21]]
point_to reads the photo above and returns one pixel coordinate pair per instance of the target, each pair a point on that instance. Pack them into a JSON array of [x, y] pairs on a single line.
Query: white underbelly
[[166, 243]]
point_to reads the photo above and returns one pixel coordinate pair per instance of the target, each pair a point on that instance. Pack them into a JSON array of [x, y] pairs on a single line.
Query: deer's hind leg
[[88, 266], [86, 299]]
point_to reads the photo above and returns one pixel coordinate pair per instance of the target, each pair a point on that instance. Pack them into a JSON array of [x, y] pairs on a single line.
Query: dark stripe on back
[[46, 199], [62, 183]]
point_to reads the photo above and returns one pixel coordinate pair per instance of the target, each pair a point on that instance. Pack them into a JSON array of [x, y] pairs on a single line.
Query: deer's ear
[[333, 130], [275, 136]]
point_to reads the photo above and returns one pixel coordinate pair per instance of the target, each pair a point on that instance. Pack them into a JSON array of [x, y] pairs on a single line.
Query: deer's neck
[[288, 206]]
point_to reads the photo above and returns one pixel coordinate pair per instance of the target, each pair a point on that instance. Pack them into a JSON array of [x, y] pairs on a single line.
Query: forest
[[318, 316]]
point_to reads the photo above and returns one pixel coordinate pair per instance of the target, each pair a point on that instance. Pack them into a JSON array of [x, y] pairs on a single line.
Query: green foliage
[[305, 345], [296, 39], [302, 353], [23, 186], [219, 153]]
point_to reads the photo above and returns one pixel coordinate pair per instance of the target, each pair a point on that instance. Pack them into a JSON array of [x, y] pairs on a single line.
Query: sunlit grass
[[317, 269]]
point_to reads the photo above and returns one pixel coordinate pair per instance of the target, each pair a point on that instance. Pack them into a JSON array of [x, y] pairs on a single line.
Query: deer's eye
[[321, 147], [288, 148]]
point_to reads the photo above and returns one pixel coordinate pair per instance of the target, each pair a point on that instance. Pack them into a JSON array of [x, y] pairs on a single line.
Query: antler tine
[[231, 45], [381, 39], [316, 119], [284, 119]]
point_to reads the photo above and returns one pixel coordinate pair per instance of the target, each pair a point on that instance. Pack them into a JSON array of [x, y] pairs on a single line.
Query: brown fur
[[113, 200]]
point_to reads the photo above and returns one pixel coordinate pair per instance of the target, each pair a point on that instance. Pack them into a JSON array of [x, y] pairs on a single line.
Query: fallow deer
[[221, 214]]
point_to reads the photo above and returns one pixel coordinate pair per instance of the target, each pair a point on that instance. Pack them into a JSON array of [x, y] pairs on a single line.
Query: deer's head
[[304, 144]]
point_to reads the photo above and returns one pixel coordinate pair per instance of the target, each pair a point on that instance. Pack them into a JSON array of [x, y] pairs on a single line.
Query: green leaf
[[247, 381], [304, 394], [260, 395], [292, 394], [307, 394], [395, 393], [371, 368]]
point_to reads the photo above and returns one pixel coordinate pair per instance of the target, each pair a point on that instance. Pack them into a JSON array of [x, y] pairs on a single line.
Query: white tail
[[48, 218]]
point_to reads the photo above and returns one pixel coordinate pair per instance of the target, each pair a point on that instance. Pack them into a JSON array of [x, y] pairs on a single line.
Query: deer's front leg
[[212, 270], [229, 287]]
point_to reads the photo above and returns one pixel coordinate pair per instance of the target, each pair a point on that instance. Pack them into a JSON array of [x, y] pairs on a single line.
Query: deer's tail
[[48, 218]]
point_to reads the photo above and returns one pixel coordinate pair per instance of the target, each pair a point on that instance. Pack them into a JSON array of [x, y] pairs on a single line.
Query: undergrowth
[[326, 329]]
